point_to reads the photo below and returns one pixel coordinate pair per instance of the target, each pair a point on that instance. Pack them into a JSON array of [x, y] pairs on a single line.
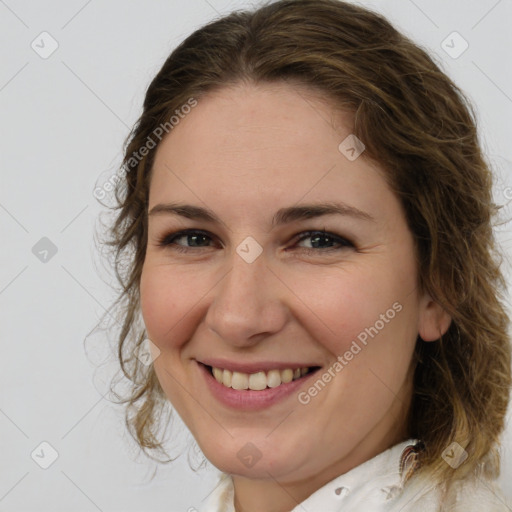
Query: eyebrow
[[282, 216]]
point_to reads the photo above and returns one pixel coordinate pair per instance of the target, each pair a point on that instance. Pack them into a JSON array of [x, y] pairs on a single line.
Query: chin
[[244, 458]]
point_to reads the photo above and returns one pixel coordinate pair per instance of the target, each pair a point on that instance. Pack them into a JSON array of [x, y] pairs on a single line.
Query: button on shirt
[[377, 485]]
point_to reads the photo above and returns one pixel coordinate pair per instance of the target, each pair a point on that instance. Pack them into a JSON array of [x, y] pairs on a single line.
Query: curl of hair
[[421, 130]]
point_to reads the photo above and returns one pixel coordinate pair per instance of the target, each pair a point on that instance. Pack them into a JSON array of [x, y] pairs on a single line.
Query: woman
[[306, 215]]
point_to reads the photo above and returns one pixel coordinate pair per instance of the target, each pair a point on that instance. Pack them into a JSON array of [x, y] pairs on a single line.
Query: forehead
[[262, 126], [260, 145]]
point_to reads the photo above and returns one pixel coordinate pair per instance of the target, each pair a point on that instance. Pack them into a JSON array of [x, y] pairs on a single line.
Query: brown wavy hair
[[420, 129]]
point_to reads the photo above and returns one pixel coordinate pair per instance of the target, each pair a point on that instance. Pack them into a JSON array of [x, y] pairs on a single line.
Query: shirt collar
[[376, 481]]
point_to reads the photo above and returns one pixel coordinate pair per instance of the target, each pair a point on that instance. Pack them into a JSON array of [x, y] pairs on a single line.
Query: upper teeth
[[257, 381]]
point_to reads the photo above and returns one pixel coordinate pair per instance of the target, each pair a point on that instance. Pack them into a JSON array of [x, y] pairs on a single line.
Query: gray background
[[63, 122]]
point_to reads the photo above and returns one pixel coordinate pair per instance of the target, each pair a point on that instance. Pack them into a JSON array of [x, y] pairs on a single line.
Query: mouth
[[261, 380]]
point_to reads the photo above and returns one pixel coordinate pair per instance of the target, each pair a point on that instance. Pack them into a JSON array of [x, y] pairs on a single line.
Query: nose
[[248, 305]]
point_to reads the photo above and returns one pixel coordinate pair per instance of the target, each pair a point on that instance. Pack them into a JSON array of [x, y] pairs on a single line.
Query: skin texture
[[245, 152]]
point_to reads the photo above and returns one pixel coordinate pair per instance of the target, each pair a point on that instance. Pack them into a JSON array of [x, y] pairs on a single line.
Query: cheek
[[368, 327], [164, 301], [369, 320], [357, 304], [152, 299]]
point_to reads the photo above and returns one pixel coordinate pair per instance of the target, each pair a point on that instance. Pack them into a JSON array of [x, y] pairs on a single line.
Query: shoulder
[[473, 494]]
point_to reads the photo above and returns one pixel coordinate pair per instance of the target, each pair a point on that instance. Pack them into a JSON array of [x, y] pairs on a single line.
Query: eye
[[193, 237], [323, 241], [320, 241]]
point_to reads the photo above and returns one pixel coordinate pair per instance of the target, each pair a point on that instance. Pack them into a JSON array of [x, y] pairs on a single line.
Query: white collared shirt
[[378, 485]]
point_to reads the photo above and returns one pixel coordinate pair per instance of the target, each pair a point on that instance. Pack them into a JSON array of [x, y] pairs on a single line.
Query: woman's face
[[255, 175]]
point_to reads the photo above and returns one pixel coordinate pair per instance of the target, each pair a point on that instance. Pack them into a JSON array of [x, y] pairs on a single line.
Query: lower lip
[[249, 399]]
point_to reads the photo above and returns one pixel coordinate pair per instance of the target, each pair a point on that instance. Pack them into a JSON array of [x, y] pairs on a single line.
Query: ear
[[433, 320]]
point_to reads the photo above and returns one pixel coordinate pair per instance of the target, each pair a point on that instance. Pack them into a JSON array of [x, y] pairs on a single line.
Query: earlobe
[[433, 321]]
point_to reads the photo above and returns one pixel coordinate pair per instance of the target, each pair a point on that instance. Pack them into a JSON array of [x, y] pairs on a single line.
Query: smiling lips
[[259, 380], [249, 385]]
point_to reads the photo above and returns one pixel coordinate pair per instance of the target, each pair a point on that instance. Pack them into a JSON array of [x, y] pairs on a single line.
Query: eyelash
[[167, 241]]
